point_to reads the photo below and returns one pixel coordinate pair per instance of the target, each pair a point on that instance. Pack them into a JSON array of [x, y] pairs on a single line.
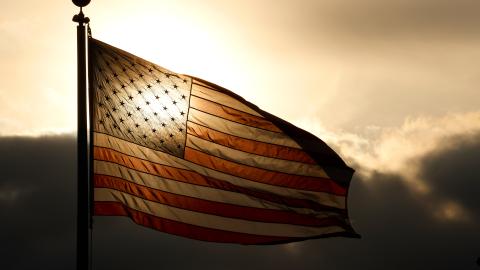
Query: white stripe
[[211, 221], [138, 151], [268, 163], [141, 152], [233, 128], [195, 191], [218, 97]]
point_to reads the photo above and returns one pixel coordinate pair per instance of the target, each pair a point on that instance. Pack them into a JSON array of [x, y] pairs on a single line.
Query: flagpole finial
[[80, 18], [81, 3]]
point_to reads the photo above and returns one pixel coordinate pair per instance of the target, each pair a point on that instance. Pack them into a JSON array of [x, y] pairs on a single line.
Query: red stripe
[[264, 176], [249, 146], [231, 114], [182, 229], [210, 207], [191, 177]]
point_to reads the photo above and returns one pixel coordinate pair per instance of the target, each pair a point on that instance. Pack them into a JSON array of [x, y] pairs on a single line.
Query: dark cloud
[[37, 202], [454, 173], [37, 206]]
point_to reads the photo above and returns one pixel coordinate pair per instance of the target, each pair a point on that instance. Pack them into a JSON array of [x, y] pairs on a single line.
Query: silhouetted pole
[[83, 204]]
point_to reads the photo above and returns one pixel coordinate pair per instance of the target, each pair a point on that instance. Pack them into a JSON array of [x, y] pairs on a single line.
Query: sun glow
[[179, 43]]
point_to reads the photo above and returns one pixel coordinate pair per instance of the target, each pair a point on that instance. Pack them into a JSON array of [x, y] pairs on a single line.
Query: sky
[[392, 86]]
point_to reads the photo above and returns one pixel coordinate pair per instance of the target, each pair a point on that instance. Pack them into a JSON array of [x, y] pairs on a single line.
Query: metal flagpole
[[83, 211]]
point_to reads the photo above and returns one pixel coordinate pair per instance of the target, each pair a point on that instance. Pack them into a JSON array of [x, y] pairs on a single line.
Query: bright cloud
[[400, 150]]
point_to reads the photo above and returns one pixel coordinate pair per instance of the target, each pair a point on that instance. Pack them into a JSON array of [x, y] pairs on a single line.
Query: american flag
[[184, 156]]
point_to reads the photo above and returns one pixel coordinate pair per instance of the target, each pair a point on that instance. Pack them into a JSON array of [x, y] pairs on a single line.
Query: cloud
[[401, 227], [397, 19], [398, 232], [453, 175], [366, 19], [37, 202], [433, 156], [397, 149]]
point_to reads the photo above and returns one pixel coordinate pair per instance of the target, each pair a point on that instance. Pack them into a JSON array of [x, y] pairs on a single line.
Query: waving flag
[[184, 156]]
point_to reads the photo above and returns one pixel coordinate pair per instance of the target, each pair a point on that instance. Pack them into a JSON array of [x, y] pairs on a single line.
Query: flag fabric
[[187, 157]]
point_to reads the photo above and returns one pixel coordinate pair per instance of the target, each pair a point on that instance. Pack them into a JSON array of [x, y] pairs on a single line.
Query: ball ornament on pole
[[81, 3]]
